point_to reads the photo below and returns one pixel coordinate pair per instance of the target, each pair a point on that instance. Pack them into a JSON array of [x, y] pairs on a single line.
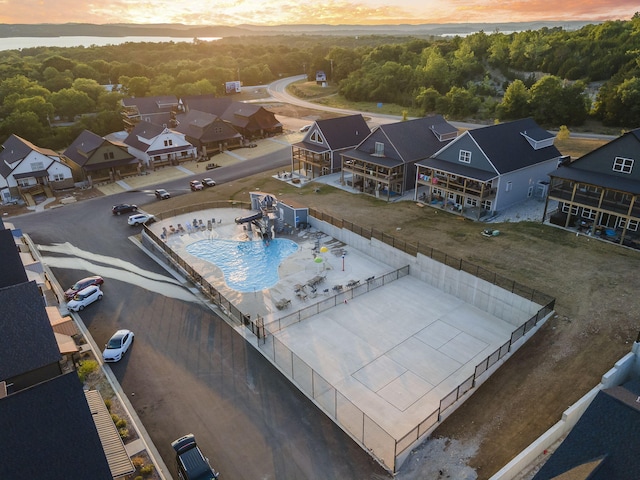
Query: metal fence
[[363, 429], [335, 299]]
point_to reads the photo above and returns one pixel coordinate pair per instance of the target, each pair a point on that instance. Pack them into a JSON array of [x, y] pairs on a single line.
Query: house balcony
[[590, 199]]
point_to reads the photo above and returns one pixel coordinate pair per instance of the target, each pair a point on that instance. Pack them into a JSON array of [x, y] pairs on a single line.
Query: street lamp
[[331, 60]]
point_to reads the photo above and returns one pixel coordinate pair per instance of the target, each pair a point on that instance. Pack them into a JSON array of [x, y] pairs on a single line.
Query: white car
[[139, 219], [84, 297], [118, 345]]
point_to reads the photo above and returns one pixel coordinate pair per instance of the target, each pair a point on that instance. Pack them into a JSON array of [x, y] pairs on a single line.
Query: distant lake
[[17, 43]]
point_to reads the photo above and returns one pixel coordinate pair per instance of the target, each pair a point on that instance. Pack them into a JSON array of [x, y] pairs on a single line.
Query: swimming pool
[[247, 266]]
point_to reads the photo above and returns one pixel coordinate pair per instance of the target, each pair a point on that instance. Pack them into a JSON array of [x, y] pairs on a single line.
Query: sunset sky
[[334, 12]]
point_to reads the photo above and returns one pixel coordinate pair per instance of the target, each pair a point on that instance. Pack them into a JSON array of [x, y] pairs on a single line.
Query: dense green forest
[[557, 77]]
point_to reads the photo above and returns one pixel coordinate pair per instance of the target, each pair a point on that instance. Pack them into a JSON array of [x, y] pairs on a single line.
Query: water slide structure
[[261, 219]]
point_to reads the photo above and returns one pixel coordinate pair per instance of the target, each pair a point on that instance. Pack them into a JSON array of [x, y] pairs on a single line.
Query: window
[[57, 177], [589, 213], [379, 149], [108, 155], [168, 143], [465, 156], [315, 137], [471, 202], [509, 187], [23, 182], [36, 166], [623, 165], [486, 204], [567, 208], [633, 224], [217, 129]]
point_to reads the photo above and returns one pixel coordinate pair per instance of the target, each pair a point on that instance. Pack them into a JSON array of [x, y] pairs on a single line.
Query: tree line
[[557, 77]]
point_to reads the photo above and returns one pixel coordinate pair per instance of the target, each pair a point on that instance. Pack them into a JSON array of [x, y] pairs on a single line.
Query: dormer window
[[315, 137], [464, 156], [168, 142], [379, 149], [623, 165]]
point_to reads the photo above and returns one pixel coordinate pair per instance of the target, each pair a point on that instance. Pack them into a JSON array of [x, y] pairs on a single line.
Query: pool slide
[[249, 218]]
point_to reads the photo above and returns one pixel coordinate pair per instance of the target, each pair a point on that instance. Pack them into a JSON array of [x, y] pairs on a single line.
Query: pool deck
[[394, 352]]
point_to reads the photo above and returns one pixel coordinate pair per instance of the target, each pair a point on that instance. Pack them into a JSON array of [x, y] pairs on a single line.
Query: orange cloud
[[335, 12]]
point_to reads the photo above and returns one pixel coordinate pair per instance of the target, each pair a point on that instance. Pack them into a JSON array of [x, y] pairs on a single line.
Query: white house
[[157, 145], [27, 171]]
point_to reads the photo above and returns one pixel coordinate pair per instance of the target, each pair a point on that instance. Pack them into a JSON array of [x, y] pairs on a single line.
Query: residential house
[[157, 146], [27, 171], [95, 159], [50, 431], [598, 193], [157, 110], [384, 164], [319, 152], [207, 132], [251, 120], [248, 119], [488, 169], [605, 443], [29, 353]]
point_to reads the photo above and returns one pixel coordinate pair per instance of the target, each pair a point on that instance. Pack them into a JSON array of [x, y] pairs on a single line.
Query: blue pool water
[[247, 266]]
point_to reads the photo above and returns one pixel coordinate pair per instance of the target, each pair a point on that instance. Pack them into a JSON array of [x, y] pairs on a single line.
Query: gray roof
[[589, 169], [152, 105], [206, 103], [12, 271], [49, 433], [27, 341], [405, 142], [83, 146], [344, 132], [507, 148], [205, 127], [15, 149], [607, 437]]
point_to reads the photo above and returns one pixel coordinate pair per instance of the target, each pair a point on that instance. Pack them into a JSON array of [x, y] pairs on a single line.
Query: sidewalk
[[165, 174]]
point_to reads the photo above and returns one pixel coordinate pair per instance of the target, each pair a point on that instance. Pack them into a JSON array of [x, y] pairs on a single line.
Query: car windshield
[[115, 342]]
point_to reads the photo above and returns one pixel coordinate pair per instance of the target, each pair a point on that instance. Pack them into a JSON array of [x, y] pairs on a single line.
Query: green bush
[[121, 423], [86, 367], [107, 403], [146, 470], [139, 477], [124, 433]]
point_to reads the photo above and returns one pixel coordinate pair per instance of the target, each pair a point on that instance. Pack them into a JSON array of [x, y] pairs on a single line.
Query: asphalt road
[[188, 370]]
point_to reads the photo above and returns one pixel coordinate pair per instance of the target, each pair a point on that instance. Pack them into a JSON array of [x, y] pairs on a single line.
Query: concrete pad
[[392, 352]]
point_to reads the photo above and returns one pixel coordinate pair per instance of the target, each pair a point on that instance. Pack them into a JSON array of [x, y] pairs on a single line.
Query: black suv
[[192, 464]]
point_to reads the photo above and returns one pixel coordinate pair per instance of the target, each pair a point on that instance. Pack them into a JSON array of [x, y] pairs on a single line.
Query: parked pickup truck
[[192, 464]]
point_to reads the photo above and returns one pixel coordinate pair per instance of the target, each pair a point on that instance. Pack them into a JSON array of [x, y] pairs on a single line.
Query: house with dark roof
[[27, 171], [488, 169], [157, 110], [157, 146], [599, 193], [252, 120], [319, 152], [207, 132], [605, 442], [12, 271], [29, 353], [204, 103], [596, 438], [95, 159], [49, 431], [384, 163]]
